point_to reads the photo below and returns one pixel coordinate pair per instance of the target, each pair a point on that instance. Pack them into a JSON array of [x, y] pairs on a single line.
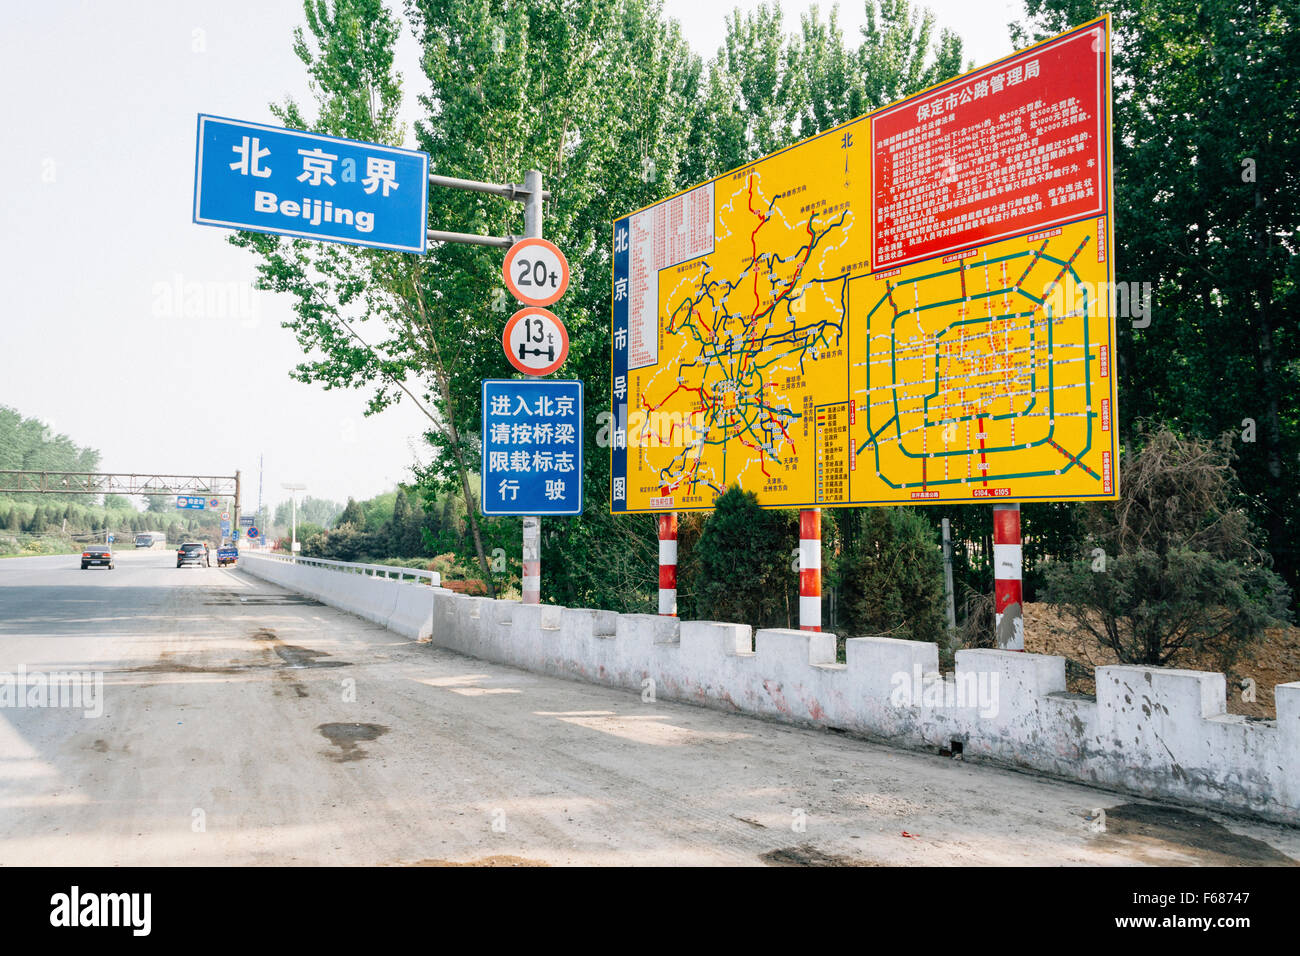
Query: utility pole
[[261, 518], [234, 528]]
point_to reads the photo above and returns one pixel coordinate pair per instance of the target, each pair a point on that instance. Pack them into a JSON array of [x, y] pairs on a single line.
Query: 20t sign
[[536, 272]]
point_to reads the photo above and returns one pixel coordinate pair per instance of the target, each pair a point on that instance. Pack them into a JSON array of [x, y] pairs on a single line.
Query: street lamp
[[291, 487]]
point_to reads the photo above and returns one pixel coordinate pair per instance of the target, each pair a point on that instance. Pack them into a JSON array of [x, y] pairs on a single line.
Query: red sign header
[[1015, 147]]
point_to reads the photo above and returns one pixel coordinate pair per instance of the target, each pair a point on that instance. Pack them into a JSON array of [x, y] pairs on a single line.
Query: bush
[[740, 564], [890, 575], [1173, 565]]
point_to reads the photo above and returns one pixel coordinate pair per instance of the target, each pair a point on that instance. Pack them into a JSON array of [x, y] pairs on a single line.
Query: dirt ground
[[1274, 660]]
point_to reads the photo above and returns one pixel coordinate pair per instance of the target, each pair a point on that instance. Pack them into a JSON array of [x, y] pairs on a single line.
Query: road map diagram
[[912, 307]]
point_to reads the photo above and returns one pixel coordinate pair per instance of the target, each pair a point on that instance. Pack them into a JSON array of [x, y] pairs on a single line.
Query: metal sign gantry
[[119, 483]]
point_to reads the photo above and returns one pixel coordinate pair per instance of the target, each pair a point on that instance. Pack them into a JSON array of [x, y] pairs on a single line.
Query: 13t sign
[[535, 341], [536, 272]]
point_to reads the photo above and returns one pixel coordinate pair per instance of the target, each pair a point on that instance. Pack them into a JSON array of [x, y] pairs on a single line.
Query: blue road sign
[[112, 538], [225, 529], [285, 181], [252, 532], [191, 502], [532, 447], [247, 521]]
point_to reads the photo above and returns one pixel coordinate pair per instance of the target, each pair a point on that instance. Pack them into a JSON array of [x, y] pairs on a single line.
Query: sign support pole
[[531, 584], [668, 564], [531, 195], [810, 569], [950, 603], [1010, 630]]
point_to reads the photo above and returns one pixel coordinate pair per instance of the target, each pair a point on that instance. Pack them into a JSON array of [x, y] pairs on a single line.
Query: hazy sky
[[96, 187]]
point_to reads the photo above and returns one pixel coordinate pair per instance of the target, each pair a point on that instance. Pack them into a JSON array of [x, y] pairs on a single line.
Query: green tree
[[1207, 158], [353, 516], [28, 444], [319, 511], [768, 88]]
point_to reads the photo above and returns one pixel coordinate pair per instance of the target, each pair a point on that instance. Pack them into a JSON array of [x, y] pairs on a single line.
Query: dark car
[[99, 555], [193, 552]]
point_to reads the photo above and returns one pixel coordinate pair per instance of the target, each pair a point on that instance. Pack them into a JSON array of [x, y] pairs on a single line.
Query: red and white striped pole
[[1007, 557], [810, 569], [668, 564]]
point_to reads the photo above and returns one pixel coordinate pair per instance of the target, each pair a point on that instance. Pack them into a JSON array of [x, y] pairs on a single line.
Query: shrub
[[741, 563], [1173, 565], [890, 575]]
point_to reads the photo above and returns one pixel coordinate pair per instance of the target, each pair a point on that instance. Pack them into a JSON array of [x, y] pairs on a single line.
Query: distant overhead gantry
[[117, 483], [91, 483]]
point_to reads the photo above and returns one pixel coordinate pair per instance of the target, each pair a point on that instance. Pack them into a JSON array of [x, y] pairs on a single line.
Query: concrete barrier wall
[[404, 607], [1156, 732]]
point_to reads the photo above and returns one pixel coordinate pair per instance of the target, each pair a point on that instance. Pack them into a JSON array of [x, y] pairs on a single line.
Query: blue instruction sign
[[293, 183], [532, 447], [191, 502]]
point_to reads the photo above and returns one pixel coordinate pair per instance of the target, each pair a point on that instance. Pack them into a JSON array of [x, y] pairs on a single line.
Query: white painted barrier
[[1156, 732], [366, 590]]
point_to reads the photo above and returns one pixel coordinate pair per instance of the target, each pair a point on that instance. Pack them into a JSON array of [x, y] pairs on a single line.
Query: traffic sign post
[[294, 183]]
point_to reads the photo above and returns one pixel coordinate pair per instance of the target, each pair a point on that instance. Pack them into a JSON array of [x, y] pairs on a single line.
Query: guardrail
[[387, 571]]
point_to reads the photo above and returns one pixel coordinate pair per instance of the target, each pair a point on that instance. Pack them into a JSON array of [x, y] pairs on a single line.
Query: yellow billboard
[[915, 306]]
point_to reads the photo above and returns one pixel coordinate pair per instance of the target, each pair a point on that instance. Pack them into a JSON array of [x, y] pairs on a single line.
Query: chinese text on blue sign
[[250, 176], [191, 502], [532, 447]]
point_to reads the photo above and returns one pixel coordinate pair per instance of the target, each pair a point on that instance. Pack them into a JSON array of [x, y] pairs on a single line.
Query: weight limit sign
[[535, 341], [536, 272]]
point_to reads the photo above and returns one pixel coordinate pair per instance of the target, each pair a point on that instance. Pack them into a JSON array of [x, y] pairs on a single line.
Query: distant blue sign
[[252, 533], [191, 502], [532, 447], [225, 529], [285, 181]]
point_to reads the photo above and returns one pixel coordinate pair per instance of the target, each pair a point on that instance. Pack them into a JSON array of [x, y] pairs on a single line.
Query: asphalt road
[[242, 724]]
